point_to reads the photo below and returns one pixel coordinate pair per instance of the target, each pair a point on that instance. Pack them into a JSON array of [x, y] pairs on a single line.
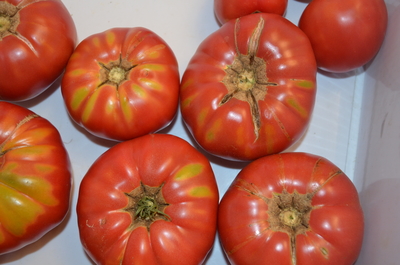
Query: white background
[[333, 133]]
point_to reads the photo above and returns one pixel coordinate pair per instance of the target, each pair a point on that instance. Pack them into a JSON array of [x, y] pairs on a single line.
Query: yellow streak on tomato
[[110, 38], [150, 83], [202, 116], [200, 192], [187, 101], [294, 104], [78, 97], [154, 52], [96, 42], [186, 84], [89, 107], [270, 135], [76, 72], [210, 134], [34, 187], [17, 211], [139, 91], [154, 67], [189, 171], [126, 108], [305, 83]]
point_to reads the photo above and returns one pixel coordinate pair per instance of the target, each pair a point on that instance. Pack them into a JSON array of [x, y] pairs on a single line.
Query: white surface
[[333, 132]]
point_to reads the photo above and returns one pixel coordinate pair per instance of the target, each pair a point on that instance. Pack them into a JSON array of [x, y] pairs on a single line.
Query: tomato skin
[[32, 60], [334, 229], [145, 102], [345, 34], [226, 10], [35, 177], [189, 188], [228, 130]]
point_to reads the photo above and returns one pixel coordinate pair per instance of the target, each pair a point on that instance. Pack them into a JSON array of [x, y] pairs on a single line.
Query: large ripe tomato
[[291, 209], [345, 34], [35, 177], [250, 88], [36, 40], [226, 10], [122, 83], [151, 200]]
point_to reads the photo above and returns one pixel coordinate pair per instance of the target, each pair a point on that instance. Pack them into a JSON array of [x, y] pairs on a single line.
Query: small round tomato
[[345, 34], [122, 83], [226, 10], [291, 208], [35, 177], [36, 40], [249, 90], [152, 200]]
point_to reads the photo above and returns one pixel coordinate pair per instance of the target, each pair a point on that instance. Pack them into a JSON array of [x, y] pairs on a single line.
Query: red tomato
[[122, 83], [150, 200], [36, 40], [345, 34], [292, 209], [35, 177], [226, 10], [249, 90]]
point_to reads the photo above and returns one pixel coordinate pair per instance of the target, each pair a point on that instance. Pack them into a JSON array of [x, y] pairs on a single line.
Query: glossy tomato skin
[[35, 177], [109, 232], [226, 10], [144, 101], [345, 34], [37, 51], [331, 227], [225, 126]]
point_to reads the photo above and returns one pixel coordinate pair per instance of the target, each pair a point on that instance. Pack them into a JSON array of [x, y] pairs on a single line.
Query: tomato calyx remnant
[[9, 19], [115, 73], [246, 77], [146, 205]]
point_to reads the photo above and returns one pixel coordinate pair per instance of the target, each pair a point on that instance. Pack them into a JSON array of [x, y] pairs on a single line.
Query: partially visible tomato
[[35, 177], [345, 34], [249, 90], [291, 209], [122, 83], [226, 10], [152, 200], [36, 40]]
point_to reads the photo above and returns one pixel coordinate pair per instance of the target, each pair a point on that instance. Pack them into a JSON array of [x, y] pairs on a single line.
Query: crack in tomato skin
[[246, 77]]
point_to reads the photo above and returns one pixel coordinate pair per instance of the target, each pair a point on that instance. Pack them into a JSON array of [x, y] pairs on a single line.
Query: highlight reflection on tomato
[[291, 209], [152, 200], [249, 90], [35, 177]]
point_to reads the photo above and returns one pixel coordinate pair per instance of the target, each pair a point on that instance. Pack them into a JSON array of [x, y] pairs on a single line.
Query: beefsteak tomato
[[150, 200], [35, 177], [249, 90], [36, 40], [291, 209], [345, 34], [226, 10], [122, 83]]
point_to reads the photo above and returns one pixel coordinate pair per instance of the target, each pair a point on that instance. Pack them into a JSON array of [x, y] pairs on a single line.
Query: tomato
[[291, 208], [345, 34], [249, 90], [150, 200], [122, 83], [35, 177], [36, 40], [226, 10]]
